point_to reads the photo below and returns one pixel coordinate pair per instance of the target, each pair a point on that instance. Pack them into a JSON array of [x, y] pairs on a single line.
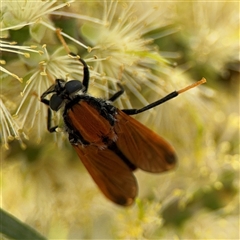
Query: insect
[[110, 143]]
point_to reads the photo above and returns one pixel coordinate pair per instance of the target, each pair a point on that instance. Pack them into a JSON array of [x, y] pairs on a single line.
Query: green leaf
[[12, 228]]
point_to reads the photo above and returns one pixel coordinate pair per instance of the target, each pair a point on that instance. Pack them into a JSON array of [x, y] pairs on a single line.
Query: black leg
[[85, 81], [117, 94], [49, 117], [151, 105], [45, 101], [49, 120]]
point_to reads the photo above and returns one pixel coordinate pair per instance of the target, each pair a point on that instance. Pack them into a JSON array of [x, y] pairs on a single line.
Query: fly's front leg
[[49, 117], [86, 75]]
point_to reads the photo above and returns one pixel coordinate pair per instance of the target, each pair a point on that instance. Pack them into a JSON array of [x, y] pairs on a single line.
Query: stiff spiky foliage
[[15, 16], [18, 14], [119, 38], [9, 127], [210, 30]]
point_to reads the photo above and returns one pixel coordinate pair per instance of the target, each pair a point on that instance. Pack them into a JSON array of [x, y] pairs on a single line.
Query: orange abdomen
[[93, 127]]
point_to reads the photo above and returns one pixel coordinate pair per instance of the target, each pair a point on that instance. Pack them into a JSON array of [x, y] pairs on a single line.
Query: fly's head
[[62, 92]]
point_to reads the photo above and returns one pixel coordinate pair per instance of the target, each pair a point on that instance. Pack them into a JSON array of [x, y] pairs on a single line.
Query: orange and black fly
[[110, 143]]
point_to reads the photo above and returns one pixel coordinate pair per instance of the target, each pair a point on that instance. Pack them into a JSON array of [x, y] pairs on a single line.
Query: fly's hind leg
[[164, 99]]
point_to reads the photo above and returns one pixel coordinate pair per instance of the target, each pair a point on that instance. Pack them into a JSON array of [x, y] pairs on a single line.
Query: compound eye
[[55, 102], [73, 86]]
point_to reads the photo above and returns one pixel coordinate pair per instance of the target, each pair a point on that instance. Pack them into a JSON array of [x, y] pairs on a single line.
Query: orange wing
[[110, 173], [144, 148]]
